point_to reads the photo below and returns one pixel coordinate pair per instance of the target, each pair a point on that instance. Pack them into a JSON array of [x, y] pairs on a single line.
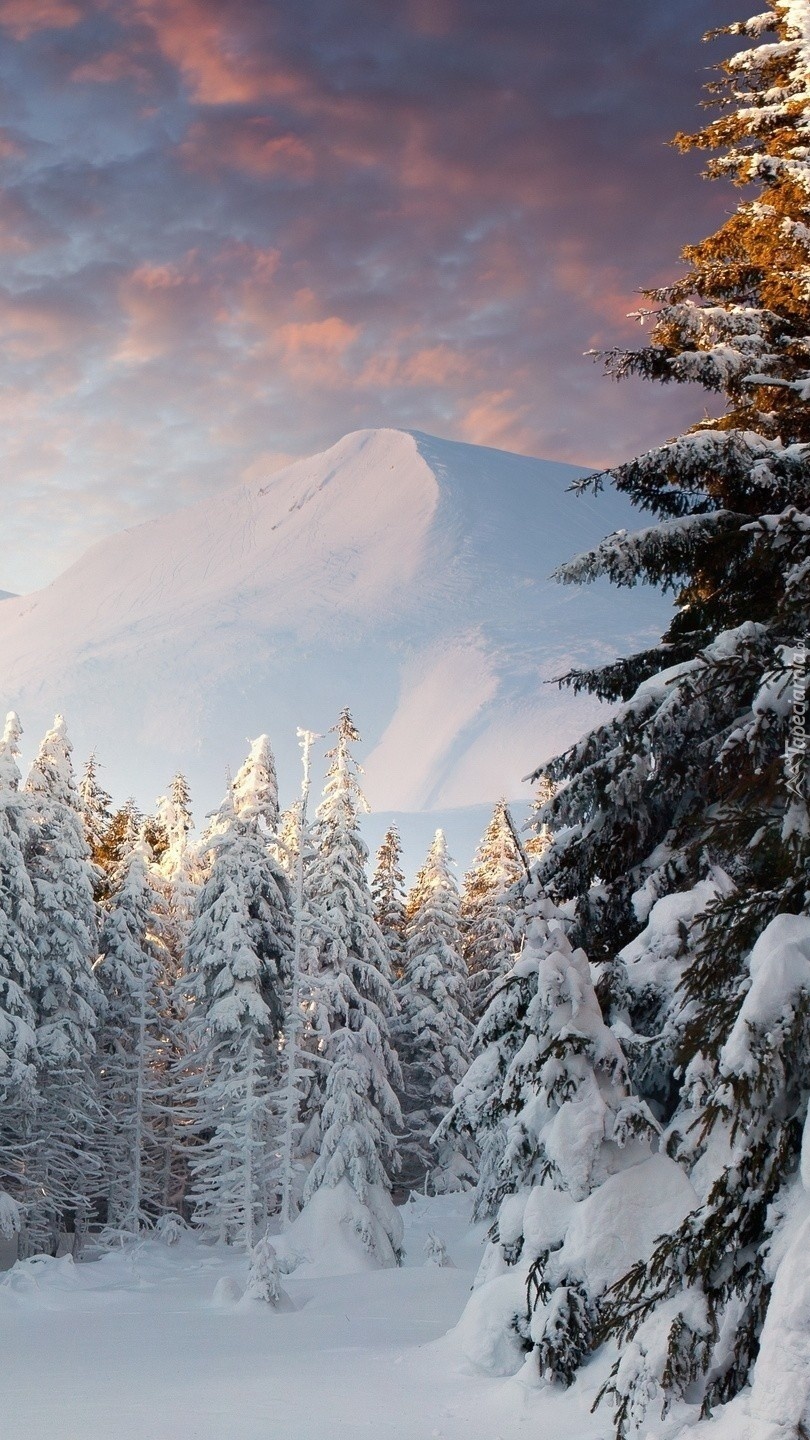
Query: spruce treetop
[[9, 750], [255, 787], [737, 322], [343, 799], [388, 895], [174, 816], [698, 757], [51, 775]]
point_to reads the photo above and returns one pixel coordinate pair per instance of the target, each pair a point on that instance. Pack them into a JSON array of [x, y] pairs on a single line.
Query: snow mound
[[620, 1222], [596, 1240], [227, 1293], [485, 1335], [400, 574], [326, 1238]]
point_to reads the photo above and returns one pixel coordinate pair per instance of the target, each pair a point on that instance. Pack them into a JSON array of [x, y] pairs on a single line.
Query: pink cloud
[[433, 17], [497, 418], [10, 146], [35, 326], [332, 336], [315, 351], [252, 144], [159, 304], [598, 286], [199, 43], [113, 67], [23, 18], [431, 365], [217, 62]]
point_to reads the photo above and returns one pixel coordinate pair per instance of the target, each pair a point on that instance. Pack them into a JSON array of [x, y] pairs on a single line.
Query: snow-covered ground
[[152, 1343]]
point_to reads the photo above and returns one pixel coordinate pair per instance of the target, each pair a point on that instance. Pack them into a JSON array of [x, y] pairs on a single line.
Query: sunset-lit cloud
[[25, 17], [160, 305], [230, 231], [207, 48], [496, 419], [253, 144]]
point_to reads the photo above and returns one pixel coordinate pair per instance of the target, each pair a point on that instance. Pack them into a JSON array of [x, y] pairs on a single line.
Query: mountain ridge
[[398, 573]]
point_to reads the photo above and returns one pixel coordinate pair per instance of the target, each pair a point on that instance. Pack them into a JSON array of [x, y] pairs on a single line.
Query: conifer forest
[[302, 1137]]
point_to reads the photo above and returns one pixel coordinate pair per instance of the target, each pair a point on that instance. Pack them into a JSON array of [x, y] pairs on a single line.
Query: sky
[[233, 230]]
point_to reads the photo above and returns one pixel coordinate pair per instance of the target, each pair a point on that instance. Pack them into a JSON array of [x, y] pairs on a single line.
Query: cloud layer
[[231, 231]]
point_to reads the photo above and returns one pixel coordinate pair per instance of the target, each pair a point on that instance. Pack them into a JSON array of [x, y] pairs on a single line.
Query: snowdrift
[[327, 1238]]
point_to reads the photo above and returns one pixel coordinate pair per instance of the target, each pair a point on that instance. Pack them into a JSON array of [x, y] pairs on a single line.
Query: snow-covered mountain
[[402, 575]]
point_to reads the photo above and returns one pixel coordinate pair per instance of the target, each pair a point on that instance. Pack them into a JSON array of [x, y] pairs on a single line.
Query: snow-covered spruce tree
[[18, 966], [577, 1156], [352, 1005], [704, 765], [478, 1110], [434, 1033], [413, 899], [294, 850], [67, 999], [285, 846], [537, 843], [174, 875], [133, 1049], [691, 1317], [96, 810], [117, 841], [478, 1113], [176, 819], [388, 895], [255, 788], [175, 869], [236, 967], [489, 907]]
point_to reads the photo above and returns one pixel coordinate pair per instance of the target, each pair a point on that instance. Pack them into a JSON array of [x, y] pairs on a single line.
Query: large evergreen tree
[[434, 1033], [18, 967], [236, 967], [489, 910], [116, 842], [95, 804], [133, 1046], [175, 876], [701, 775], [67, 997], [352, 1005], [388, 894]]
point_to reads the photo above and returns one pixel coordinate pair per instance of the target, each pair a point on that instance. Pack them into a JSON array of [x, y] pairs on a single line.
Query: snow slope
[[402, 575], [153, 1343]]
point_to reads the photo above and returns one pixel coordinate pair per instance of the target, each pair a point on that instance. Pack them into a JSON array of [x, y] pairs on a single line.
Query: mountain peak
[[400, 573]]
